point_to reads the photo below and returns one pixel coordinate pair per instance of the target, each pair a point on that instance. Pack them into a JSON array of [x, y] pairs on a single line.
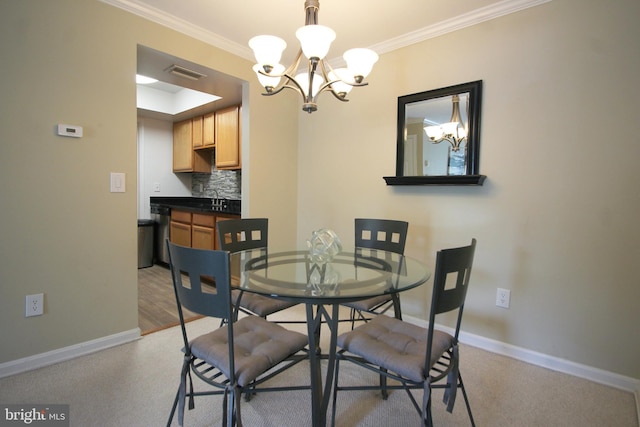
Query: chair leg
[[427, 419], [466, 399], [173, 408], [335, 392], [352, 317], [397, 310], [236, 399], [383, 385], [229, 417]]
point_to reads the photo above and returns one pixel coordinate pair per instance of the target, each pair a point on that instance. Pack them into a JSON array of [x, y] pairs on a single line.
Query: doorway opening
[[156, 300]]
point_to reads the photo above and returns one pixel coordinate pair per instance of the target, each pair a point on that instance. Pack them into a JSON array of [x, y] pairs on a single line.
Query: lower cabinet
[[203, 231], [180, 228], [195, 230]]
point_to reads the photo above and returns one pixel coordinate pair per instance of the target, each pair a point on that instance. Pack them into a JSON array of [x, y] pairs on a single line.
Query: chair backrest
[[242, 234], [384, 234], [450, 283], [198, 264]]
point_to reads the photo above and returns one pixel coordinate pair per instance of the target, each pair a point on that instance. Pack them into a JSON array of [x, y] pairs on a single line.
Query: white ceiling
[[379, 25]]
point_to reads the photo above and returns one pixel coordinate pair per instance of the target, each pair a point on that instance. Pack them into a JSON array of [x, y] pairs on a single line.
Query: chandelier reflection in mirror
[[454, 131], [315, 41]]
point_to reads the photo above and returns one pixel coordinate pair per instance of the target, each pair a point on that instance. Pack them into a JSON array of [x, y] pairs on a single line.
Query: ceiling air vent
[[177, 70]]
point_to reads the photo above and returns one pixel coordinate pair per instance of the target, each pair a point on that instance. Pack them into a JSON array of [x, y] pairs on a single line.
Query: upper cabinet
[[186, 135], [196, 132], [194, 139], [227, 131], [208, 130]]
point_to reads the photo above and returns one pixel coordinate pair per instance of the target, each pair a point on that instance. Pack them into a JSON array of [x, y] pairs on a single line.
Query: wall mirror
[[438, 139]]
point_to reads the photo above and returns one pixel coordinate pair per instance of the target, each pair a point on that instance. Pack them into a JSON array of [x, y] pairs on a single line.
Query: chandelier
[[454, 131], [315, 41]]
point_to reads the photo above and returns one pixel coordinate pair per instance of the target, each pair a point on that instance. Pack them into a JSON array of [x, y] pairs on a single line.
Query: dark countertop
[[199, 204]]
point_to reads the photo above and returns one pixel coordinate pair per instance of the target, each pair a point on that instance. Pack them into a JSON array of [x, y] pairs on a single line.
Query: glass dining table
[[322, 287]]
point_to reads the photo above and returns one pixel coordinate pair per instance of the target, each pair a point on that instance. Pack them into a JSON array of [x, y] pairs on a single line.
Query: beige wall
[[556, 220], [62, 232]]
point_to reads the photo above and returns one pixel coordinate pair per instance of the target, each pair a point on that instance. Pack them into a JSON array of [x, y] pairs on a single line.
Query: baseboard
[[60, 355], [601, 376]]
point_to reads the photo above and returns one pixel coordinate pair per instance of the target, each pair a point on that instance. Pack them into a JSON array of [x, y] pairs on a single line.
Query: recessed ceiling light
[[144, 80]]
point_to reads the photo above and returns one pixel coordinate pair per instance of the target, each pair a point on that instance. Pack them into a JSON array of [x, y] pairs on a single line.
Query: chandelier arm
[[313, 70], [328, 82], [275, 91], [288, 75], [336, 95], [326, 65]]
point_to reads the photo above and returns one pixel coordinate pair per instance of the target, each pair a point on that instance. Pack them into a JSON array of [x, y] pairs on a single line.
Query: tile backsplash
[[227, 183]]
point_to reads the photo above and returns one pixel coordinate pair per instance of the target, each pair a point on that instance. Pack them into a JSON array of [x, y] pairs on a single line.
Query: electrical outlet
[[34, 305], [503, 298]]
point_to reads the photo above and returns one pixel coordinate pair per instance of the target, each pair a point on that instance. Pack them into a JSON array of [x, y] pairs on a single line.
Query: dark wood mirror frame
[[471, 175]]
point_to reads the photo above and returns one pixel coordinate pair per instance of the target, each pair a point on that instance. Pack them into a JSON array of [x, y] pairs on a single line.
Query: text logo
[[34, 415]]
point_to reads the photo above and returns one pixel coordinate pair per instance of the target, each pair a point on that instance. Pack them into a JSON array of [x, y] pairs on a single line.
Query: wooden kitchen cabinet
[[227, 138], [197, 132], [180, 228], [185, 158], [208, 130], [196, 229], [203, 231]]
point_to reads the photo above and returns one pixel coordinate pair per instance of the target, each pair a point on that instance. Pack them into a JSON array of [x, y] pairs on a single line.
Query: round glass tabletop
[[350, 276]]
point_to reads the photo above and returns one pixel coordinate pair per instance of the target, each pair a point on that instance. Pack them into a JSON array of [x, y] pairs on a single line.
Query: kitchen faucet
[[216, 203]]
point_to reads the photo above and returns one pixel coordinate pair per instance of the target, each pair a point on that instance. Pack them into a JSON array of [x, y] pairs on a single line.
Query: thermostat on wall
[[70, 130]]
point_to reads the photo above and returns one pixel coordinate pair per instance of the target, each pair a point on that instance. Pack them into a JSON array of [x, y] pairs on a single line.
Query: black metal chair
[[416, 357], [235, 358], [386, 235], [236, 235]]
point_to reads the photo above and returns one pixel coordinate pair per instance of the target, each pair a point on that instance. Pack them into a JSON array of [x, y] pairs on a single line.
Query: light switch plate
[[117, 182]]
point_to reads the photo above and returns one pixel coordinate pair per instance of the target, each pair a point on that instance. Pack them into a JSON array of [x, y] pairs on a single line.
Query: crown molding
[[180, 25], [487, 13]]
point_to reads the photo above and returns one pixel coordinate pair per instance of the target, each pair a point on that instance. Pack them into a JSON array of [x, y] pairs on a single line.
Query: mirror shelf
[[436, 180], [438, 137]]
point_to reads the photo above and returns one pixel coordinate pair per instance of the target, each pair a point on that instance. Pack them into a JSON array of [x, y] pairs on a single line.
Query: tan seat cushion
[[259, 304], [369, 303], [398, 346], [258, 345]]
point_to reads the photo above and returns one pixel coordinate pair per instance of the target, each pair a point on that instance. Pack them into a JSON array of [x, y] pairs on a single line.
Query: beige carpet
[[134, 385]]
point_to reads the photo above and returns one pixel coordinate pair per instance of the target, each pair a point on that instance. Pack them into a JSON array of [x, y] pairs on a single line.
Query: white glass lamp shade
[[303, 81], [450, 128], [360, 61], [344, 76], [434, 132], [462, 132], [267, 49], [269, 81], [315, 40]]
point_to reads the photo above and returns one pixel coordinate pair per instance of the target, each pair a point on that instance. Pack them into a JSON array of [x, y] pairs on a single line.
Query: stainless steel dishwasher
[[162, 216]]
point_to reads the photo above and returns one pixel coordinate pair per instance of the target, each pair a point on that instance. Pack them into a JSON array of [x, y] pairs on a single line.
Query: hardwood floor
[[156, 300]]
